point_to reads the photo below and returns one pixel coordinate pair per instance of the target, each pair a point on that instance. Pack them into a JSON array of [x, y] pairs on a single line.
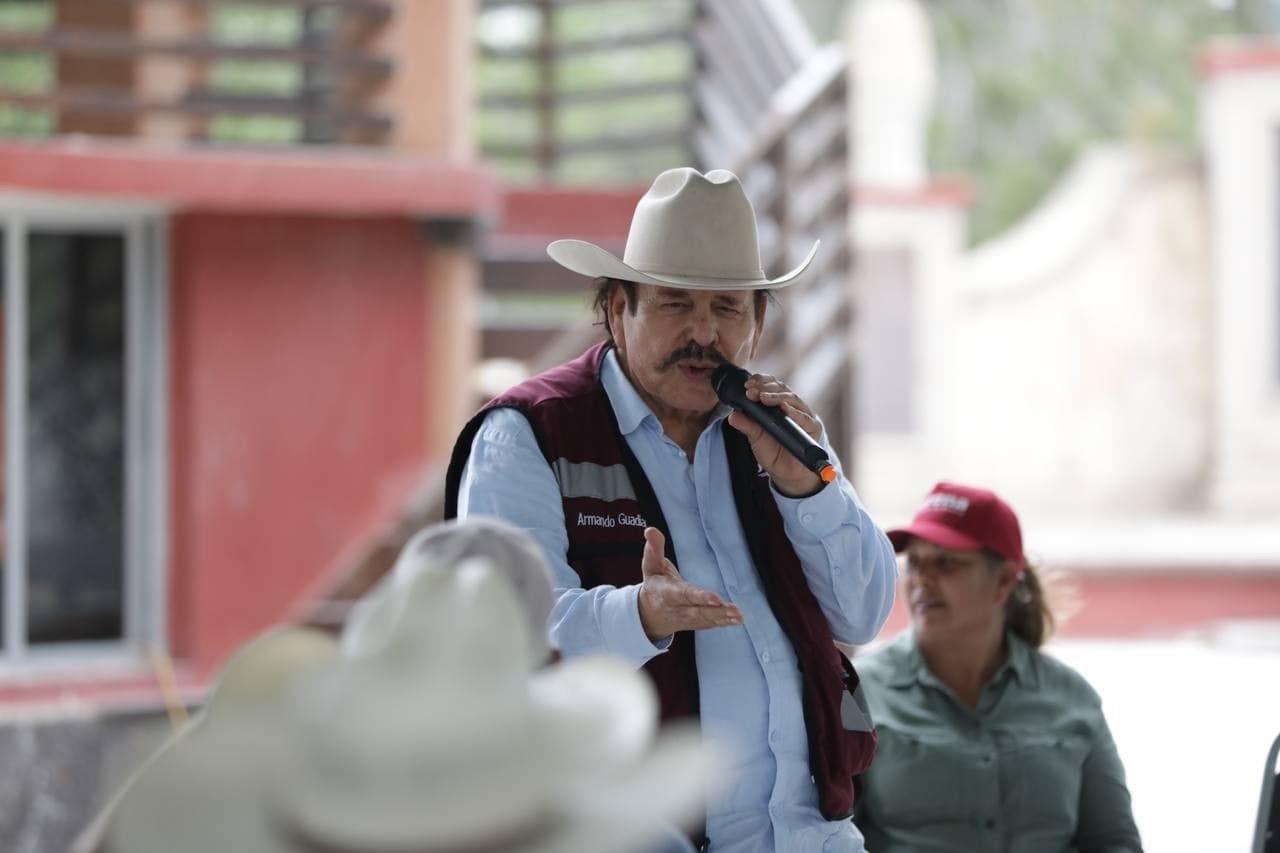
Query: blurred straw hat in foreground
[[432, 735]]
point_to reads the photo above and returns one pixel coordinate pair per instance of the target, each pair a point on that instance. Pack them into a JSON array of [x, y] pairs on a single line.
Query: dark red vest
[[608, 501]]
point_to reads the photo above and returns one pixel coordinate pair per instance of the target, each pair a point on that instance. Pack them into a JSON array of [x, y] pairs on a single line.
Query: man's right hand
[[668, 603]]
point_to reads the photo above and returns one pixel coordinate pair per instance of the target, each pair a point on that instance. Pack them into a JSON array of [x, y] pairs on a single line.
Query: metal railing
[[599, 91], [584, 91], [794, 167], [91, 66]]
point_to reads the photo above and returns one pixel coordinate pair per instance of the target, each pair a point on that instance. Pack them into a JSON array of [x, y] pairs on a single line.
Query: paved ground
[[1193, 718]]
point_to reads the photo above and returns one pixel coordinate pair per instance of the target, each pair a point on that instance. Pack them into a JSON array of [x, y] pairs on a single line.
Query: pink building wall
[[298, 408]]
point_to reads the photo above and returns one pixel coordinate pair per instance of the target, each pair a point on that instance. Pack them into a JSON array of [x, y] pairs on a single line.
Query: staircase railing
[[794, 167]]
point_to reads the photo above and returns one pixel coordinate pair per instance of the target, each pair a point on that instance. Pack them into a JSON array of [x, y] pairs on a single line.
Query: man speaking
[[709, 556]]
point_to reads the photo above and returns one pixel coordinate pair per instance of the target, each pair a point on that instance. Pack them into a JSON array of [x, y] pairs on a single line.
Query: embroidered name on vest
[[622, 519]]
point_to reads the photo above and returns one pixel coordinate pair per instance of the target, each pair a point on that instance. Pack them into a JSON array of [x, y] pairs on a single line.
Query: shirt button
[[989, 823], [807, 517], [986, 759], [773, 737], [765, 657]]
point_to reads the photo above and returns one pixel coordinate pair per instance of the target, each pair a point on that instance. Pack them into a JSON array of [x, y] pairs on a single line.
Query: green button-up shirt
[[1031, 769]]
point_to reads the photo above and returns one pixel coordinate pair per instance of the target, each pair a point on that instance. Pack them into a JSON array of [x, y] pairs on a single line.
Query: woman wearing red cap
[[986, 743]]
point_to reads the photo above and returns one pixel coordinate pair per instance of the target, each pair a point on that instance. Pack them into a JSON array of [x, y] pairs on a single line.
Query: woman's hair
[[1035, 605]]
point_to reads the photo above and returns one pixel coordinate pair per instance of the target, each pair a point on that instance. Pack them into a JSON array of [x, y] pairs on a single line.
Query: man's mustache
[[692, 352]]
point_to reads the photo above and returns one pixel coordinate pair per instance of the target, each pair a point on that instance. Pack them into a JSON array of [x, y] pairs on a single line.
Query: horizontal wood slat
[[611, 142], [378, 10], [648, 38], [121, 46], [518, 100], [108, 101]]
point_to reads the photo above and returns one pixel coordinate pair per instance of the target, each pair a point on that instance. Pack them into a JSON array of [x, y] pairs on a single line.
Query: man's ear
[[614, 309]]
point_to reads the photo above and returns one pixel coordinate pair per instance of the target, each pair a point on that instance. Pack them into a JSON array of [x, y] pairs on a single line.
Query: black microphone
[[730, 383]]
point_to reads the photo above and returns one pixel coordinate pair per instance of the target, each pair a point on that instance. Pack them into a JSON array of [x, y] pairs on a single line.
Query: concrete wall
[[1067, 363], [59, 771], [1086, 347]]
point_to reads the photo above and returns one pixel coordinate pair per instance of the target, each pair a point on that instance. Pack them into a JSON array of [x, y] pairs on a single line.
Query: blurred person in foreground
[[986, 743], [662, 525], [508, 550], [424, 732]]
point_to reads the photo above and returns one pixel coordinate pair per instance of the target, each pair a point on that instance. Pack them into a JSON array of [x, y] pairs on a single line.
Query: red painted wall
[[531, 218], [298, 407]]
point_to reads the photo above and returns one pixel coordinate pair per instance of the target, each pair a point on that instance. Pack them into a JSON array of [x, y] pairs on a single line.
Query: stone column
[[908, 233], [168, 78], [429, 95], [452, 331], [1240, 114]]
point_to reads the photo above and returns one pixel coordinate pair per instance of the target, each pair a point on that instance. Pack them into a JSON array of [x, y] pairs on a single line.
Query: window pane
[[75, 437]]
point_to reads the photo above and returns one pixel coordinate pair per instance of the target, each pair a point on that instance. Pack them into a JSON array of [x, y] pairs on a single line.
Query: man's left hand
[[789, 475]]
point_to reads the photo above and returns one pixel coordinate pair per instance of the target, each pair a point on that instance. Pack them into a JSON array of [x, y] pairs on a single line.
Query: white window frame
[[146, 521]]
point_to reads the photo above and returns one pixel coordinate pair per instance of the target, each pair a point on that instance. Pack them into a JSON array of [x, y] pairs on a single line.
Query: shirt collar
[[1021, 662], [628, 406], [914, 669]]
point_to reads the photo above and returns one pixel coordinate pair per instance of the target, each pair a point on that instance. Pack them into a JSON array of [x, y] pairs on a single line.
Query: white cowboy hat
[[441, 740], [205, 788], [510, 550], [436, 738], [690, 230]]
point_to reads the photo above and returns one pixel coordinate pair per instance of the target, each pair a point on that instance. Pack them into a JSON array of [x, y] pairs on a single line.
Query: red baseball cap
[[964, 518]]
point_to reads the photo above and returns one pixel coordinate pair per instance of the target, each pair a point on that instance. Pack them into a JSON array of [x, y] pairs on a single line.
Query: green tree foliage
[[1024, 85], [24, 72]]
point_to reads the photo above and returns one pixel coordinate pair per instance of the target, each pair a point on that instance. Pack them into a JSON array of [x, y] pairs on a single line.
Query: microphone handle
[[787, 433]]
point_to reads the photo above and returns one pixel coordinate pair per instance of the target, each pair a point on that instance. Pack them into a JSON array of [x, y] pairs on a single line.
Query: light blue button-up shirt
[[748, 678]]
